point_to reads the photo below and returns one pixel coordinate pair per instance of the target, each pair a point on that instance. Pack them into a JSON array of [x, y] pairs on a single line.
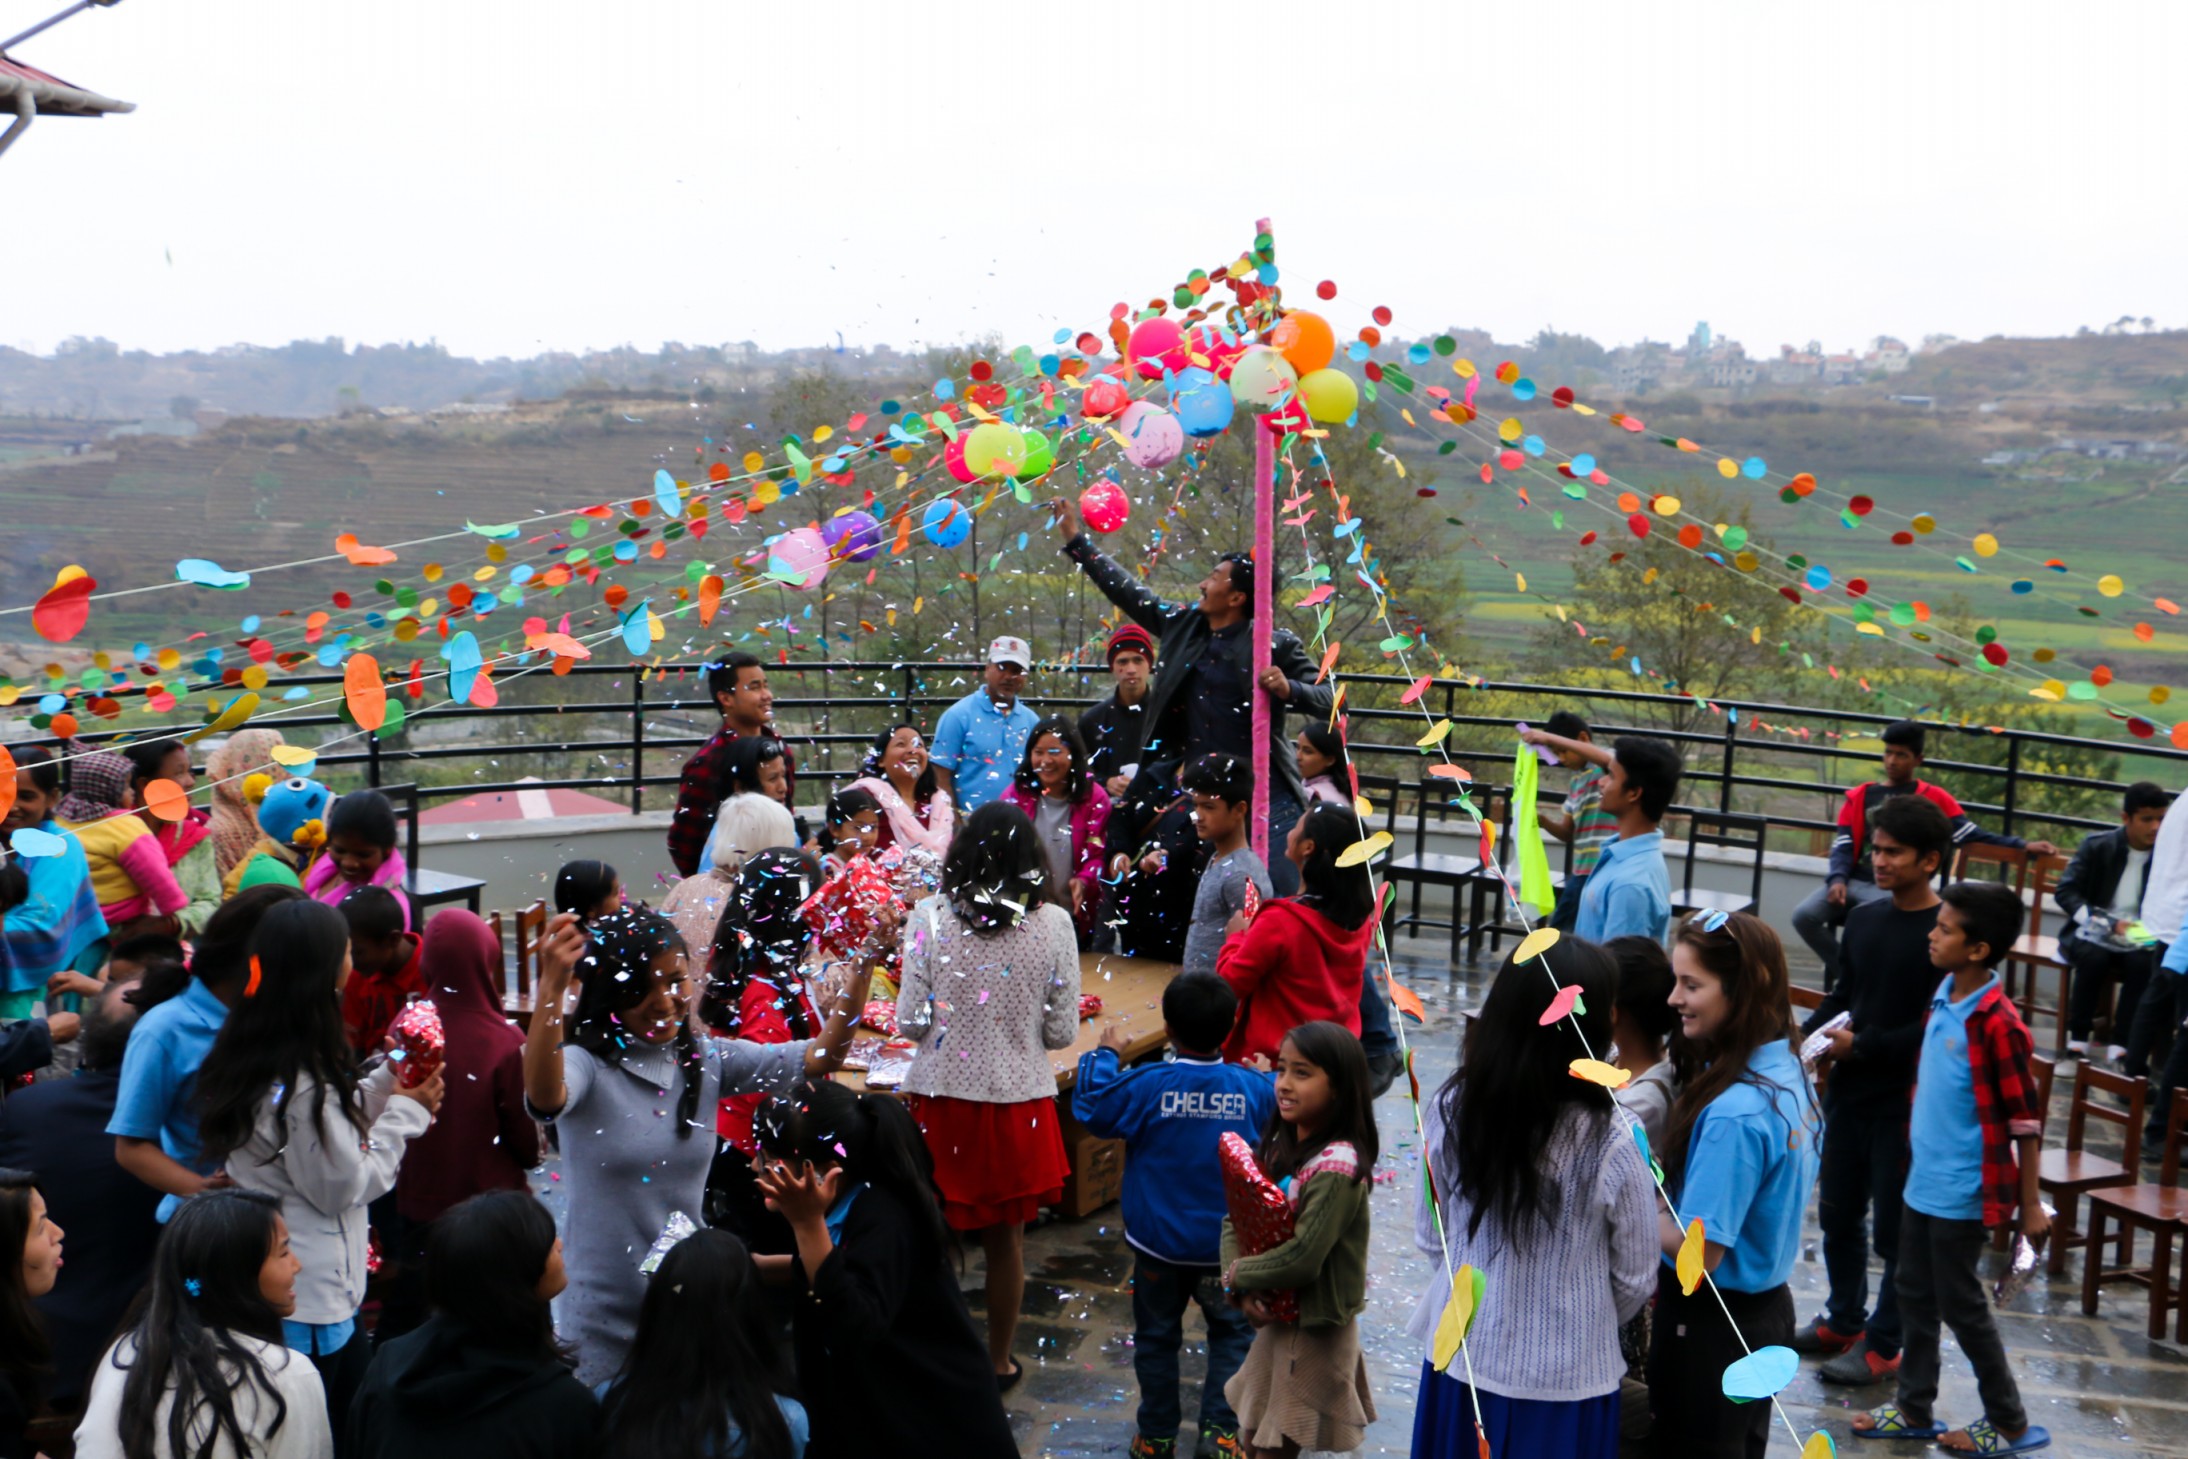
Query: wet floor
[[2098, 1384]]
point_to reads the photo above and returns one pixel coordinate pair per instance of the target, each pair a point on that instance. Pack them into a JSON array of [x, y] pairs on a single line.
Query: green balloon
[[1040, 455]]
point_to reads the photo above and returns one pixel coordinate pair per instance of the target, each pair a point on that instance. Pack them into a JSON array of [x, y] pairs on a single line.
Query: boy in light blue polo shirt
[[981, 739], [155, 1122], [1628, 894]]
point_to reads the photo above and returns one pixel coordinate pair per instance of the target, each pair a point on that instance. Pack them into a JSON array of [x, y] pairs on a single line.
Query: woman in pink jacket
[[1068, 810]]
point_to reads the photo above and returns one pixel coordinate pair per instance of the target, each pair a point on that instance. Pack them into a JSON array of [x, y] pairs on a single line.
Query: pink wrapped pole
[[1264, 624]]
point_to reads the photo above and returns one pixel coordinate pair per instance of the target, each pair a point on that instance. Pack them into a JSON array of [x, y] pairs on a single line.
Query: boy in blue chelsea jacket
[[1171, 1116]]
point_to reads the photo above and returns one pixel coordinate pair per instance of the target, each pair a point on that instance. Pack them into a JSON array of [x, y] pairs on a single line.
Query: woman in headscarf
[[136, 888], [233, 825]]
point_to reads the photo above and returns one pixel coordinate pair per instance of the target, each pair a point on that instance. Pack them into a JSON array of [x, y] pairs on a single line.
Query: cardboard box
[[1097, 1167]]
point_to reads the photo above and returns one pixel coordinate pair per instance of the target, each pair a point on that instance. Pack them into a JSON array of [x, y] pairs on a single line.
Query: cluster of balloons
[[993, 450]]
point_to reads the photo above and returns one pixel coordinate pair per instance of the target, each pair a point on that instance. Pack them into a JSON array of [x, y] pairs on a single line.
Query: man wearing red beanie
[[1116, 729]]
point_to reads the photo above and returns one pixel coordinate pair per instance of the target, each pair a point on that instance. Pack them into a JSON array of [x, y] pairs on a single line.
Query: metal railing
[[641, 739]]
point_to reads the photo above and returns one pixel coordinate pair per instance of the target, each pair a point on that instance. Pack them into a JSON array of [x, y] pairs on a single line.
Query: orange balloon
[[65, 726], [165, 799], [1306, 340]]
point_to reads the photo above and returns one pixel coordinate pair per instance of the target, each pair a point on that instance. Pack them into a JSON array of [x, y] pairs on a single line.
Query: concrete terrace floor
[[2098, 1384]]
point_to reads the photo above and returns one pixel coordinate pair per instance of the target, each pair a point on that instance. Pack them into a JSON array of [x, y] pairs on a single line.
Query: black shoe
[[1383, 1071]]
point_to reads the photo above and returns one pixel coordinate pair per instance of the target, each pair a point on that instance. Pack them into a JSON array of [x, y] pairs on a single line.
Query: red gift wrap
[[1090, 1006], [843, 911], [880, 1017], [1261, 1214], [419, 1043]]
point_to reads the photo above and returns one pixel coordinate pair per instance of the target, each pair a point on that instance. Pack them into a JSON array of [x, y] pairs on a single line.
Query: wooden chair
[[2066, 1175], [525, 964], [2160, 1209], [1720, 828], [1460, 871], [2035, 951]]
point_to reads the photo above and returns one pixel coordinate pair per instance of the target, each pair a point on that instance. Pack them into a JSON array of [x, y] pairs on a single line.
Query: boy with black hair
[[2101, 894], [1972, 1140], [1628, 894], [1847, 882], [384, 967], [738, 686], [1171, 1116], [1222, 788], [1884, 990], [1583, 824]]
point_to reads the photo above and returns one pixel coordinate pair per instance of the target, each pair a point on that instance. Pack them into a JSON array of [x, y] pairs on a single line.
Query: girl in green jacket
[[1304, 1384]]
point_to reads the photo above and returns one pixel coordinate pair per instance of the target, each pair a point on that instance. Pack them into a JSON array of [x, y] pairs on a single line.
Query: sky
[[511, 178]]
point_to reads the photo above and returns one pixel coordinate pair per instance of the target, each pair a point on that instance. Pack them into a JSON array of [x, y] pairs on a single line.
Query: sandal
[[1987, 1440], [1892, 1424], [1004, 1382]]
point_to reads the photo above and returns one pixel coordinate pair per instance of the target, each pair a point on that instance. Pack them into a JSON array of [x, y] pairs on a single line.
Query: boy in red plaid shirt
[[1973, 1141]]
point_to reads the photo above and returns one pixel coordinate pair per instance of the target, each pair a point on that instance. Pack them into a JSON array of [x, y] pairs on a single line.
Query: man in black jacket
[[1201, 700], [2101, 893], [1115, 730]]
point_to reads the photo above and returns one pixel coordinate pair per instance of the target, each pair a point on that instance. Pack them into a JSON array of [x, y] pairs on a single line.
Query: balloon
[[994, 449], [946, 523], [1104, 506], [1040, 455], [1330, 395], [1152, 436], [799, 559], [1154, 346], [1306, 340], [1105, 398], [1259, 376], [1203, 403], [853, 536], [953, 458]]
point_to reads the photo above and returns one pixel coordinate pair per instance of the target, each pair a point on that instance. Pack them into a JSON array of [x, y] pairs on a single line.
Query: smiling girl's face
[[656, 1018], [1312, 762], [905, 755], [1051, 763], [1304, 1097], [860, 833], [1697, 996]]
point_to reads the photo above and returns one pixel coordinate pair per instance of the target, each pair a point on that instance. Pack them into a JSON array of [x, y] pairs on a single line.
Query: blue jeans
[[1376, 1034], [1160, 1294]]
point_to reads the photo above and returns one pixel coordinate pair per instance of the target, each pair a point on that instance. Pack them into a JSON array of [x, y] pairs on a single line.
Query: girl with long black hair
[[484, 1374], [1542, 1187], [588, 889], [990, 989], [1070, 812], [200, 1370], [878, 1305], [30, 1262], [282, 1101], [632, 1088], [1304, 958], [706, 1373]]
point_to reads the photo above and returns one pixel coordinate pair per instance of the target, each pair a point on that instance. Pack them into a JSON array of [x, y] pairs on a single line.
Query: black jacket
[[1886, 983], [884, 1325], [2092, 878], [1182, 634], [441, 1393], [58, 1129], [1115, 733]]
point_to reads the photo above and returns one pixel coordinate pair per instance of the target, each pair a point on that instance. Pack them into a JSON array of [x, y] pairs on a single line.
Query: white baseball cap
[[1011, 651]]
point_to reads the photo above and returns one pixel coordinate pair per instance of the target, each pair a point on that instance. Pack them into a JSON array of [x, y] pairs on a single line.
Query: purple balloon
[[852, 537]]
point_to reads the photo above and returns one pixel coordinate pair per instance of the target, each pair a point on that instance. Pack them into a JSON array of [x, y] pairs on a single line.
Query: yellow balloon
[[1329, 395], [994, 449]]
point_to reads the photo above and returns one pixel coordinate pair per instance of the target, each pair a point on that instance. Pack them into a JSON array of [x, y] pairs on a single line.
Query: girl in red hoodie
[[1303, 958]]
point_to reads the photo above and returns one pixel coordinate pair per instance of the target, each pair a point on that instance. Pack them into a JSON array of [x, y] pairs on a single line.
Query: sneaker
[[2077, 1047], [1219, 1443], [1819, 1339], [1858, 1366], [1146, 1448]]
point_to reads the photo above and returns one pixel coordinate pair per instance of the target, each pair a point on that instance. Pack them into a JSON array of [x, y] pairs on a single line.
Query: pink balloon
[[1104, 506], [953, 458], [1153, 437], [1104, 398], [1156, 345], [802, 555]]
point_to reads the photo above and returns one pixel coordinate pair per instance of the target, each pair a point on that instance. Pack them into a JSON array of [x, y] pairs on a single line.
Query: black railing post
[[638, 740], [372, 758], [1724, 782], [910, 685], [2013, 781]]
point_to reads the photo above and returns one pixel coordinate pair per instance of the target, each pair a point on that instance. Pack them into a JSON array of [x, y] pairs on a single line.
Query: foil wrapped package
[[676, 1229], [1090, 1006], [419, 1043], [843, 912], [1261, 1214], [2027, 1256], [880, 1017]]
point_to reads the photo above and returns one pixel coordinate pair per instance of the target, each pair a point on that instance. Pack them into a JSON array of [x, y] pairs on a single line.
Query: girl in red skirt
[[990, 987]]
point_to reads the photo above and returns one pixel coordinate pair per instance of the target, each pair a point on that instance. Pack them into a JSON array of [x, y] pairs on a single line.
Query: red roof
[[532, 803]]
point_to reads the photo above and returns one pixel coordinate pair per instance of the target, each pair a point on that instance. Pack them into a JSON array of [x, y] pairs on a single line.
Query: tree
[[182, 407]]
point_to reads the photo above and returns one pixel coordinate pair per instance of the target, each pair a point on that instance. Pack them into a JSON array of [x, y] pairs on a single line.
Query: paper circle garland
[[1104, 507], [946, 523]]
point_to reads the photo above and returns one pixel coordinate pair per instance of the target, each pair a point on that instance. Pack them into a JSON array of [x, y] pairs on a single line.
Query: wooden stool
[[2067, 1175]]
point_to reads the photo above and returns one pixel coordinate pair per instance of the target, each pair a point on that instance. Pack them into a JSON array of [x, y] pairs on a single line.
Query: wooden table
[[1131, 992]]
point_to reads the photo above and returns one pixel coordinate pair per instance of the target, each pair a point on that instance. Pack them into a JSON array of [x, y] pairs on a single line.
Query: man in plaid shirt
[[1973, 1140], [739, 687]]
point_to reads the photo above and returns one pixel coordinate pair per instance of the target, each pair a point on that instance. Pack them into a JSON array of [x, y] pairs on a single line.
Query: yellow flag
[[1458, 1316], [1689, 1264], [1361, 852], [1595, 1071], [1435, 734], [1819, 1446], [1537, 942]]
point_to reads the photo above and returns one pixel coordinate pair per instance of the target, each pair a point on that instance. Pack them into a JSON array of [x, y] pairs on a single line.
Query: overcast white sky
[[557, 175]]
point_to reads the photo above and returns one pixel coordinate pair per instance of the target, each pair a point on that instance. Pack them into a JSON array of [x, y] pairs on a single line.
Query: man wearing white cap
[[980, 740]]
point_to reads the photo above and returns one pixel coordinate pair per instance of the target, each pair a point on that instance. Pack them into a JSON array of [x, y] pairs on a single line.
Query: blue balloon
[[946, 523], [1202, 403]]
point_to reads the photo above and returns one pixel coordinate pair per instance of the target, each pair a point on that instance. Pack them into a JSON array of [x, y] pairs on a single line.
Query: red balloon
[[1103, 399], [1156, 345], [953, 458], [1104, 506]]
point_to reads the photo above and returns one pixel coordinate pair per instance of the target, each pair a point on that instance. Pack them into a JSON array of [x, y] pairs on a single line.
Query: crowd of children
[[288, 1238]]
